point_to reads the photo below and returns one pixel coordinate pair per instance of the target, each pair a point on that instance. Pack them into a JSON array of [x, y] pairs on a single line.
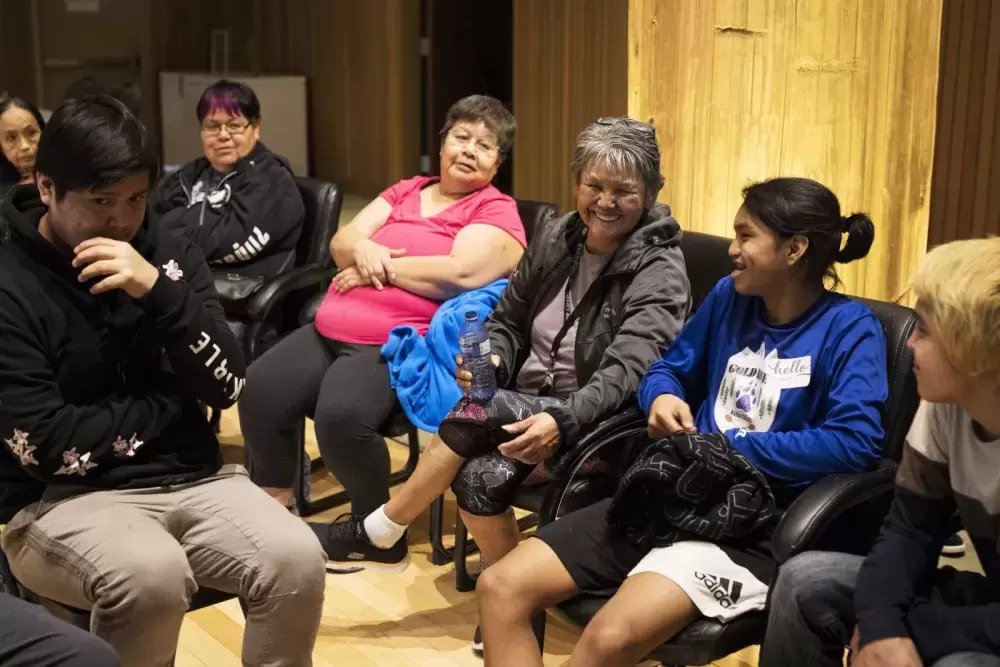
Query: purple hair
[[236, 99]]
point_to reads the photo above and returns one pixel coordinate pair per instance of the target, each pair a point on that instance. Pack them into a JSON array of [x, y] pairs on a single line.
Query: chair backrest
[[898, 322], [323, 202], [534, 214], [706, 258]]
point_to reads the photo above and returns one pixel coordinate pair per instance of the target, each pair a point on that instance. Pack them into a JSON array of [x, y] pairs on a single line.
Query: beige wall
[[842, 91]]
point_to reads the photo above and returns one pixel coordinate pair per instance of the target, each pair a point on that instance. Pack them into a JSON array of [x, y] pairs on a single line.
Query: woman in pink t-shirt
[[422, 241]]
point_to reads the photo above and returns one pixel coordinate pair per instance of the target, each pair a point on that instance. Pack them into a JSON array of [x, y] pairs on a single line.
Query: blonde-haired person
[[897, 608]]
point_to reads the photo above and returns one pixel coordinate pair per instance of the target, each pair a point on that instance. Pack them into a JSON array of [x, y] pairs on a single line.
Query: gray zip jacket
[[628, 317]]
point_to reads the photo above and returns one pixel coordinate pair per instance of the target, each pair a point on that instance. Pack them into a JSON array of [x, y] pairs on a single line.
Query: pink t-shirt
[[365, 315]]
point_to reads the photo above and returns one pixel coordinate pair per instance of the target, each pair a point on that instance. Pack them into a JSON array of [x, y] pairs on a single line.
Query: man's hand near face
[[123, 267]]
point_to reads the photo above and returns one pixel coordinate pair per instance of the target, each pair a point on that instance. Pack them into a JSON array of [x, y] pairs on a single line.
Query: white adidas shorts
[[719, 587]]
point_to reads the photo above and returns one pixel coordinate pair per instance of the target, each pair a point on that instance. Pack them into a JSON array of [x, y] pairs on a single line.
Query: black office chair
[[273, 307], [839, 513], [280, 299], [706, 258]]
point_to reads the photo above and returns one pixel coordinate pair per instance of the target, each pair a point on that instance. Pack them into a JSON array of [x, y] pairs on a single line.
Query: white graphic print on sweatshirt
[[18, 444], [751, 388], [216, 198]]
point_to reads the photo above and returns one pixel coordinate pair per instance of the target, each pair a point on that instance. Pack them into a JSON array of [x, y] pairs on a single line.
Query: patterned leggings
[[487, 480]]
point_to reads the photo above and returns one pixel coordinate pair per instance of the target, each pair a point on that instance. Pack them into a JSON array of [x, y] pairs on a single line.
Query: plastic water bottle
[[474, 342]]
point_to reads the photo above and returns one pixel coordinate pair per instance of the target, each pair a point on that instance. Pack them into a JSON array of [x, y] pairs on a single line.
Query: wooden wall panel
[[843, 92], [965, 188], [16, 49], [570, 68], [365, 90], [362, 62]]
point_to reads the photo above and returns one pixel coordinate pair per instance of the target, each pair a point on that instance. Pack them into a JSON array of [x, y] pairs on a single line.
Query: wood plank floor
[[413, 618]]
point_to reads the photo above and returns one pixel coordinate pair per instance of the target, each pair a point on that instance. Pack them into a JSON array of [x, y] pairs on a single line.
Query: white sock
[[382, 531]]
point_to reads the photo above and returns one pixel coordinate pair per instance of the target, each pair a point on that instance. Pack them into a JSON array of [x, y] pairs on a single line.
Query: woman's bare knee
[[499, 590], [527, 580], [603, 640], [646, 611]]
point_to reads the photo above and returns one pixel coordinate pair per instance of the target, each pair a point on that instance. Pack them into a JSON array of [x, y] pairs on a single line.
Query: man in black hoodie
[[111, 336], [239, 203]]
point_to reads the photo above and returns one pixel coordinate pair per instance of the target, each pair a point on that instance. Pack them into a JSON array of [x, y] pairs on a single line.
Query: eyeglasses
[[631, 122], [466, 141], [234, 128]]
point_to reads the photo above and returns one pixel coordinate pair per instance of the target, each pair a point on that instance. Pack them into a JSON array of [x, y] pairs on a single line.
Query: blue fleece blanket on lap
[[422, 369]]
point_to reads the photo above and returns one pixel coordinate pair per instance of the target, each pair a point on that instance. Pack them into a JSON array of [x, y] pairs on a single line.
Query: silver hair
[[627, 147]]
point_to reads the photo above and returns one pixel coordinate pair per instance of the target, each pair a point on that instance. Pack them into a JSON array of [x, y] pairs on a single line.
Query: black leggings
[[345, 389], [487, 480]]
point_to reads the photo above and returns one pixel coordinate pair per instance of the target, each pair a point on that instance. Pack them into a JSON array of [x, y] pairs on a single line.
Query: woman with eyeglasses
[[421, 242], [597, 297], [238, 202], [21, 126]]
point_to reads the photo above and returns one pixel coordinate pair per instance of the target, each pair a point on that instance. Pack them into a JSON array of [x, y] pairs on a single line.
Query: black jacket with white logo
[[246, 221], [692, 485], [104, 391]]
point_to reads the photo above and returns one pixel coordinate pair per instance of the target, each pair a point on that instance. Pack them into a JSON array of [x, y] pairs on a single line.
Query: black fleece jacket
[[628, 317], [246, 221], [103, 391]]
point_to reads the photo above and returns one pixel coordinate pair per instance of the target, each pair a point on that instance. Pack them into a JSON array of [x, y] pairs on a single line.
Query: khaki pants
[[135, 558]]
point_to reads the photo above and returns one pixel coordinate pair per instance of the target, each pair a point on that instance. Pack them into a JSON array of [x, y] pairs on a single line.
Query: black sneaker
[[954, 546], [348, 549], [477, 642]]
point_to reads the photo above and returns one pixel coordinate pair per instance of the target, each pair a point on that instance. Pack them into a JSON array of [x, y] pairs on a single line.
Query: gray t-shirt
[[547, 324]]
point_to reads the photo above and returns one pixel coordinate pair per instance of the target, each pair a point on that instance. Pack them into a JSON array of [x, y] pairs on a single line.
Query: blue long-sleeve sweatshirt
[[800, 401]]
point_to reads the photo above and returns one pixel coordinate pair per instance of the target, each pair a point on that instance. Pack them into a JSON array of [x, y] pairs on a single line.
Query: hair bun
[[860, 236]]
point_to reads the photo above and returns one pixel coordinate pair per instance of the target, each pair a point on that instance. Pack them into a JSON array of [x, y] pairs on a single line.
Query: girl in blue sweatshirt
[[791, 373]]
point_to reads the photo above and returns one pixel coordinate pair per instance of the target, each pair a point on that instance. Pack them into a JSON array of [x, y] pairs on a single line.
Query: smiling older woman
[[417, 244], [599, 294]]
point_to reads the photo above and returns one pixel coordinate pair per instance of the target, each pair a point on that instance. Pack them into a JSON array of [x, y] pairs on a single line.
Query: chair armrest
[[274, 291], [577, 454], [819, 505], [625, 424]]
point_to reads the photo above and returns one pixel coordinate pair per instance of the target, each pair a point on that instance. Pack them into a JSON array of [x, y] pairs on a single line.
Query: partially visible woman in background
[[21, 126]]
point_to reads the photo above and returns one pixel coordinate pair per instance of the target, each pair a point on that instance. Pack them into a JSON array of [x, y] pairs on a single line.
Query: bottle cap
[[471, 316]]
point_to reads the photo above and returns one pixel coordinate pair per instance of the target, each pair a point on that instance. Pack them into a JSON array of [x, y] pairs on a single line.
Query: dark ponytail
[[803, 207], [860, 235]]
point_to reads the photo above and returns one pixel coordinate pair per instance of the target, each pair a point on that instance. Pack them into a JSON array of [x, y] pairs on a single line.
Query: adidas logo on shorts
[[725, 591]]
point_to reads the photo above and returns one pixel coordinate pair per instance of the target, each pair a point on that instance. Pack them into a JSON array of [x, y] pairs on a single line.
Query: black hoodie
[[103, 391], [246, 221]]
